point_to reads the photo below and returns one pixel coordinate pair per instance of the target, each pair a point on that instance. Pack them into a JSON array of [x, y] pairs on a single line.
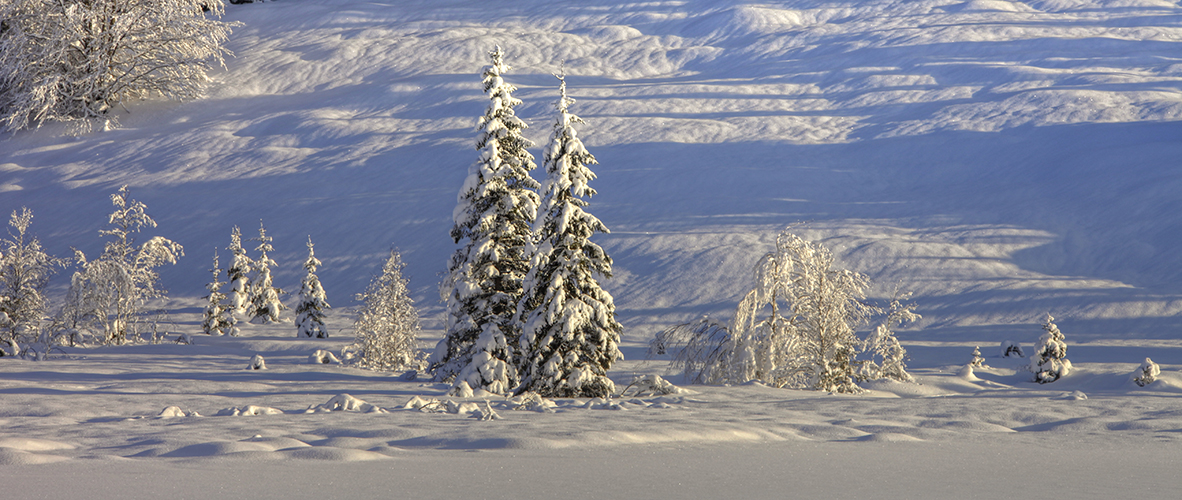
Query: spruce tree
[[239, 273], [214, 320], [496, 208], [388, 325], [1049, 361], [265, 305], [570, 336], [310, 311]]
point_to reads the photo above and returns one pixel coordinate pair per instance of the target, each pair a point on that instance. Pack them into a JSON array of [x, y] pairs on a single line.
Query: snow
[[999, 159]]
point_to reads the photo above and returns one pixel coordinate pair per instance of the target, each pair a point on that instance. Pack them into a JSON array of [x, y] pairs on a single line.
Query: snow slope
[[1001, 159]]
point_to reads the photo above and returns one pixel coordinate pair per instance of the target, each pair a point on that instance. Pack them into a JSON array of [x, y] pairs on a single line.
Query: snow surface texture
[[1000, 159]]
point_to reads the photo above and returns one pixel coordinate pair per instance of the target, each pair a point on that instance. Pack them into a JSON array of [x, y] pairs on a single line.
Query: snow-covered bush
[[883, 345], [387, 327], [570, 336], [651, 385], [322, 357], [1049, 361], [265, 305], [108, 294], [257, 363], [812, 347], [78, 60], [1010, 349], [310, 310], [496, 207], [1147, 373], [977, 361], [25, 269]]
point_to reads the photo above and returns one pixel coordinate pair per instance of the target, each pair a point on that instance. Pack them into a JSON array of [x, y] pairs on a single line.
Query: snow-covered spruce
[[239, 273], [25, 269], [570, 336], [309, 319], [216, 320], [1049, 361], [1147, 373], [883, 345], [108, 293], [813, 347], [493, 216], [77, 61], [265, 305], [387, 328]]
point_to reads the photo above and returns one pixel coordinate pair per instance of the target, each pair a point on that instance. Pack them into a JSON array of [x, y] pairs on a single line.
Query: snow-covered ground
[[1001, 159]]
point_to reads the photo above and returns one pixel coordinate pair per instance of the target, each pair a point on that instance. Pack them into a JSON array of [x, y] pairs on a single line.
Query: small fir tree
[[496, 207], [265, 305], [310, 311], [571, 336], [214, 320], [1049, 362], [977, 361], [388, 325], [1147, 373], [25, 269], [239, 273]]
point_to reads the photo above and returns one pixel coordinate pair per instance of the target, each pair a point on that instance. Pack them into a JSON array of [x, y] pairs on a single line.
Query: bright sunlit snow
[[1002, 160]]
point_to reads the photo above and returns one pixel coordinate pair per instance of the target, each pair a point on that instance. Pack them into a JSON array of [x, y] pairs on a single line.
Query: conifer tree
[[388, 325], [214, 321], [496, 208], [238, 273], [265, 305], [570, 336], [310, 311], [977, 361], [1049, 361], [25, 269]]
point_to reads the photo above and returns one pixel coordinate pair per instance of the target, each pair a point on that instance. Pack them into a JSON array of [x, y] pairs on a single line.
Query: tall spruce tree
[[239, 273], [310, 311], [493, 216], [265, 305], [570, 336]]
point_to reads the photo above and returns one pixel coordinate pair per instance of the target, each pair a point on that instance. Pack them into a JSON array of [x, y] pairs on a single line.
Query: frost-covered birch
[[388, 324], [76, 61], [888, 358], [25, 270], [310, 311], [494, 212], [570, 336], [1049, 361], [239, 273], [265, 305], [108, 294]]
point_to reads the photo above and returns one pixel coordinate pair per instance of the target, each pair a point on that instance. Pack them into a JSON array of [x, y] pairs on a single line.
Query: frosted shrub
[[387, 327], [24, 273], [76, 61], [795, 329], [257, 363], [883, 345], [1147, 373], [1049, 361]]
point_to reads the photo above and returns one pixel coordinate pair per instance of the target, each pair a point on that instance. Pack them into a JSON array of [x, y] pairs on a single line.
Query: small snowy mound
[[532, 401], [1072, 396], [345, 402], [1011, 350], [10, 456], [1147, 373], [330, 454], [461, 390], [257, 363], [652, 385], [249, 410], [485, 413], [323, 357], [424, 405], [966, 372], [31, 444], [176, 411]]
